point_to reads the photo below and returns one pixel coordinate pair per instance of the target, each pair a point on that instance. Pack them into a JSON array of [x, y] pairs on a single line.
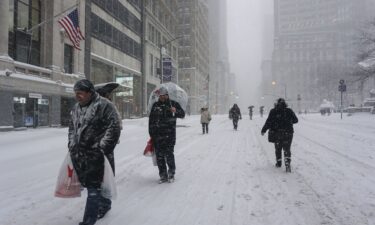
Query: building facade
[[314, 47], [161, 41], [193, 52], [39, 65], [220, 92], [114, 50]]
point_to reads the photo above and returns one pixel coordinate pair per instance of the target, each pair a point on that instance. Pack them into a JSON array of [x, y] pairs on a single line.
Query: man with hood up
[[162, 130], [280, 125], [94, 131]]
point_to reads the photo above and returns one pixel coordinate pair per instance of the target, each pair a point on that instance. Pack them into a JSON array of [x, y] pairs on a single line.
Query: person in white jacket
[[205, 119]]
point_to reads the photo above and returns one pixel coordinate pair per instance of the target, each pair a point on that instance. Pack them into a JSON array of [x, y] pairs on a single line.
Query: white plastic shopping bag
[[67, 185], [109, 189]]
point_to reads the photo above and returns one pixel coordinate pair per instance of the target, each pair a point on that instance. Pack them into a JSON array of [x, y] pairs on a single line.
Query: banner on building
[[167, 69]]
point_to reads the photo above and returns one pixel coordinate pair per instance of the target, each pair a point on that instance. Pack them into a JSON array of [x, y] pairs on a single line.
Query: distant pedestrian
[[235, 115], [94, 131], [280, 131], [162, 130], [205, 119], [261, 111], [251, 111]]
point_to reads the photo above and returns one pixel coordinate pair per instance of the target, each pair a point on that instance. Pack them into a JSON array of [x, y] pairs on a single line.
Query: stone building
[[193, 53], [314, 47], [39, 65], [161, 40]]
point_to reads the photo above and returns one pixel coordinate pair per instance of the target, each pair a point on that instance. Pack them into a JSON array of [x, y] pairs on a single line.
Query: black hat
[[84, 85]]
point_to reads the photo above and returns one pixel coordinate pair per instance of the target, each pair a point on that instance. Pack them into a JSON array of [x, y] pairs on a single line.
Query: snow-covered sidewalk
[[224, 178]]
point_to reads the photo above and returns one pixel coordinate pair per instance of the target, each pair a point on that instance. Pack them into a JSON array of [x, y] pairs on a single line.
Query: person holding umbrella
[[162, 130]]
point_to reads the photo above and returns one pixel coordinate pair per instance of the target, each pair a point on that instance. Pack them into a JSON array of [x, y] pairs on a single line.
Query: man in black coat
[[162, 130], [94, 131], [280, 125], [235, 115]]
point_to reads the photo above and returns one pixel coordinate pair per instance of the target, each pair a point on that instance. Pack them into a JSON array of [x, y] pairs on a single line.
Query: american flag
[[70, 23]]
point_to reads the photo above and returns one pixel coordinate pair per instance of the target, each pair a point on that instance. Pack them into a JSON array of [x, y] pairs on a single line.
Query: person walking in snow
[[280, 131], [235, 115], [261, 111], [205, 119], [162, 130], [94, 131], [251, 111]]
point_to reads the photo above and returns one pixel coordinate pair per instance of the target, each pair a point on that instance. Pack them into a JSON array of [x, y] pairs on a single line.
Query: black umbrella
[[106, 88]]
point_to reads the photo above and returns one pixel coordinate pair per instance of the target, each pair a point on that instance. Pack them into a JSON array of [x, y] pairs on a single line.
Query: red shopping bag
[[149, 150], [67, 185]]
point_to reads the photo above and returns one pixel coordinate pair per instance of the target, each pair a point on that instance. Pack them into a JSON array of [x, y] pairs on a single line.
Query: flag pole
[[51, 19]]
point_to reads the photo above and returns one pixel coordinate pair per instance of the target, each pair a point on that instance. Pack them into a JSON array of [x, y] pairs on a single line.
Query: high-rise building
[[220, 90], [314, 47], [193, 53], [113, 50], [161, 41]]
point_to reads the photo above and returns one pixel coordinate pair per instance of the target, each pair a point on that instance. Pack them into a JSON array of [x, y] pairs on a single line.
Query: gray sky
[[245, 31]]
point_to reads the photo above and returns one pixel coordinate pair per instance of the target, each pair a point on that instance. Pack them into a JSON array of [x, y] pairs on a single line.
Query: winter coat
[[235, 113], [280, 119], [162, 122], [94, 131], [205, 116]]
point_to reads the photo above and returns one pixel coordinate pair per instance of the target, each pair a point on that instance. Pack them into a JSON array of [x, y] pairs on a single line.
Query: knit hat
[[163, 91], [84, 85]]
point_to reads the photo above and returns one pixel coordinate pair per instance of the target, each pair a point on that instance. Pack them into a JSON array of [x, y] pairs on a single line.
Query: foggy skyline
[[245, 41]]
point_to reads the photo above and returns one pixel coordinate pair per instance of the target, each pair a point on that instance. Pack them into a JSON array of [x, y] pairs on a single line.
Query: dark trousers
[[235, 123], [94, 204], [285, 145], [164, 157], [205, 128]]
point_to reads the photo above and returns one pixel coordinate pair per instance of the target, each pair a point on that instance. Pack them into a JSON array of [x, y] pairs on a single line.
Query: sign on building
[[167, 69]]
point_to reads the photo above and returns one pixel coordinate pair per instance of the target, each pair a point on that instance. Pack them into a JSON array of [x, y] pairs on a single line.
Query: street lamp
[[161, 46]]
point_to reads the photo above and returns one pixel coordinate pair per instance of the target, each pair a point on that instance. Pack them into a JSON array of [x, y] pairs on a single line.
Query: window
[[68, 58], [24, 46], [151, 65]]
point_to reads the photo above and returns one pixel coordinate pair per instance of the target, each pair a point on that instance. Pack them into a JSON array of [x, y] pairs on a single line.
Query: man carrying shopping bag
[[94, 131]]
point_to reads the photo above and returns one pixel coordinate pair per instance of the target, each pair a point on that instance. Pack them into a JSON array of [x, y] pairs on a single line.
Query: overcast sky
[[245, 41]]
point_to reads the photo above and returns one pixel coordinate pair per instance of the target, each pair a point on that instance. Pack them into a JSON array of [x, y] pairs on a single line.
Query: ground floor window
[[30, 112], [66, 107]]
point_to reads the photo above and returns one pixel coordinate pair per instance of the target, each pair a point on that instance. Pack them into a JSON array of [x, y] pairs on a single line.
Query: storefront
[[128, 101], [31, 110]]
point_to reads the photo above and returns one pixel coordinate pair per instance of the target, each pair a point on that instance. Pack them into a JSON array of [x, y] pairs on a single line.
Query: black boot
[[92, 205], [278, 163]]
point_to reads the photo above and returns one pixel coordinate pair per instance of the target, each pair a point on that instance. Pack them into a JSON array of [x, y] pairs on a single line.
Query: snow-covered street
[[224, 178]]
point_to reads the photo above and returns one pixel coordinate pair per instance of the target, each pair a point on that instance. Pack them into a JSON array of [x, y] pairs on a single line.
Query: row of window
[[111, 36], [121, 13], [136, 4]]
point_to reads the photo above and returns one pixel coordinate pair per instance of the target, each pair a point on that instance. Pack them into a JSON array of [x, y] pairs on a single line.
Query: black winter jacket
[[162, 122], [280, 119], [92, 136], [235, 113]]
